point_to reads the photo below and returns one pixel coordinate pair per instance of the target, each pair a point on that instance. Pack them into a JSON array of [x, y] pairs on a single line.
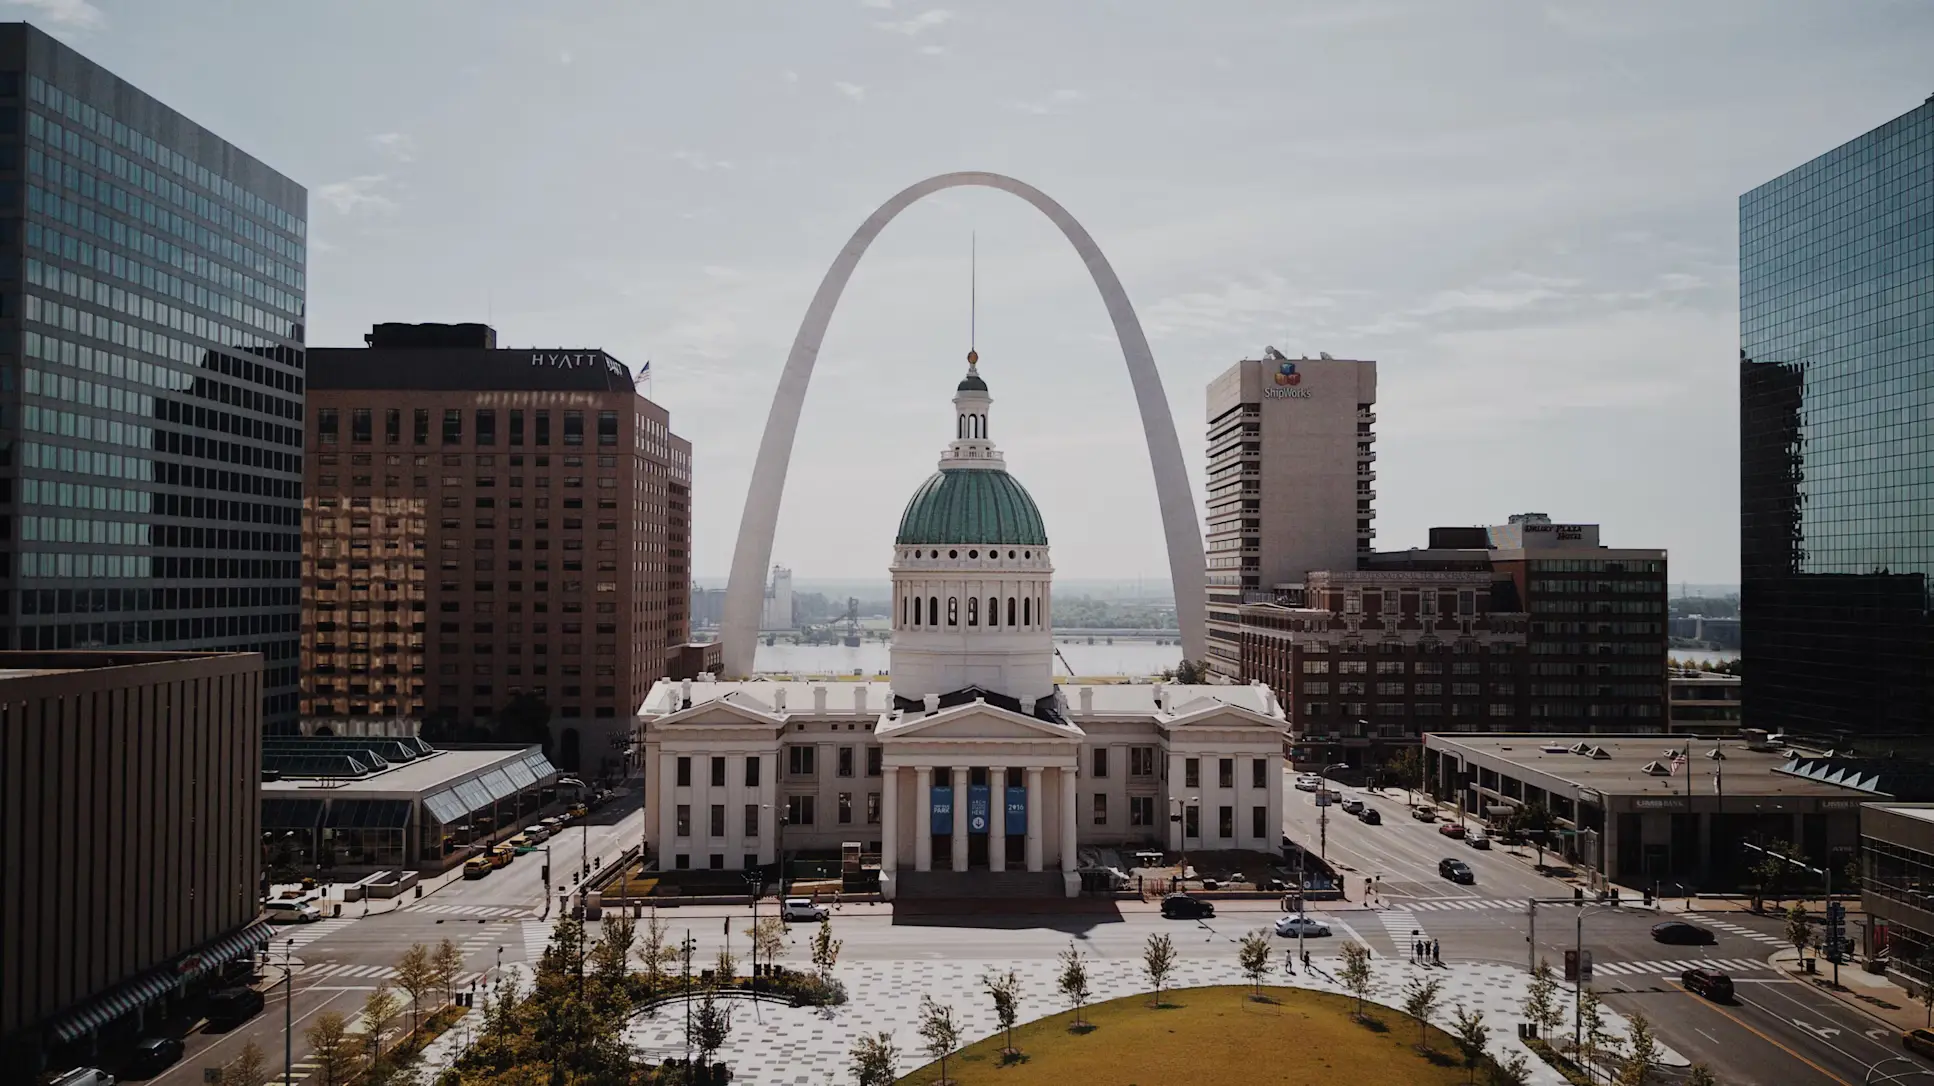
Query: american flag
[[1678, 759]]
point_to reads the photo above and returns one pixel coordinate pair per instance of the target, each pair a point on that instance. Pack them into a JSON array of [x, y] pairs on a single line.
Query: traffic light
[[546, 880]]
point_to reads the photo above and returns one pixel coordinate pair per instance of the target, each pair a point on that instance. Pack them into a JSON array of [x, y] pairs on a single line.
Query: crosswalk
[[537, 936], [345, 971], [1401, 924], [297, 936], [1734, 929], [483, 912], [1727, 965], [1453, 904]]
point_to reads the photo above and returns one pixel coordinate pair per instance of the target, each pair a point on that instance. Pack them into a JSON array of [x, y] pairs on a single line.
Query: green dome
[[972, 505], [971, 383]]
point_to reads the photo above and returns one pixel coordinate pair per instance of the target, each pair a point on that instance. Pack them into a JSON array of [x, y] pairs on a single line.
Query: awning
[[369, 814], [475, 796], [540, 766], [498, 782], [99, 1011], [445, 807], [229, 947], [520, 774]]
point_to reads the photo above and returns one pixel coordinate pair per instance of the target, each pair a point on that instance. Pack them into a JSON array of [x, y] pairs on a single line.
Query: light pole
[[1182, 806], [1323, 808], [584, 828], [1825, 873], [779, 819], [288, 1013]]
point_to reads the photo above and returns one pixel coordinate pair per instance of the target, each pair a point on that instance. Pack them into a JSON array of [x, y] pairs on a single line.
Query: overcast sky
[[1526, 212]]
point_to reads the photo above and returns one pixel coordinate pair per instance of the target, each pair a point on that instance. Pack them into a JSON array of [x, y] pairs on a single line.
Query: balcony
[[1365, 456]]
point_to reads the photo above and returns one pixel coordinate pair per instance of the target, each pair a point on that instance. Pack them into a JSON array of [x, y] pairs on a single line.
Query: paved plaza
[[772, 1044]]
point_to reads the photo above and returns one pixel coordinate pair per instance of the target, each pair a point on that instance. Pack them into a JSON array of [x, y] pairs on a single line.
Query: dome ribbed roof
[[971, 383], [972, 505]]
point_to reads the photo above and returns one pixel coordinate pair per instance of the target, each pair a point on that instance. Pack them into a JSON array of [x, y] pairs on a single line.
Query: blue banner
[[979, 803], [943, 808], [1017, 812]]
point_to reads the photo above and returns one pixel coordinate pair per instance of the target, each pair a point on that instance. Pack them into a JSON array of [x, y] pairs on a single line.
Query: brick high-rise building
[[487, 527]]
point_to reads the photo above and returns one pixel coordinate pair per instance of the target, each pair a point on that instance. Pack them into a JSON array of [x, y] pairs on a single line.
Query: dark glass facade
[[1836, 270], [151, 375]]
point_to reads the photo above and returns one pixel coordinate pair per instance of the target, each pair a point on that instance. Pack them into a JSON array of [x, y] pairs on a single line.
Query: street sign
[[1578, 966], [1322, 799]]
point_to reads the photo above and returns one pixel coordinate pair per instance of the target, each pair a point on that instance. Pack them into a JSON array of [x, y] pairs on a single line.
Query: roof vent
[[1656, 769], [1581, 748], [819, 698], [1600, 753], [1087, 699], [778, 699], [1027, 706], [859, 697], [1557, 748], [932, 703]]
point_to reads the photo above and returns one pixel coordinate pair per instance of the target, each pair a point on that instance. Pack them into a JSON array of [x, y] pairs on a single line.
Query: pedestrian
[[1306, 964], [1437, 951]]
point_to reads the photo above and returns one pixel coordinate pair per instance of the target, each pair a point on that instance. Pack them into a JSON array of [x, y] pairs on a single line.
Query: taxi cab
[[502, 855], [476, 867]]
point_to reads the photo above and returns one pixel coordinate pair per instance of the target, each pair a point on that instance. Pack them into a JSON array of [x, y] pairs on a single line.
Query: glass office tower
[[151, 375], [1836, 278]]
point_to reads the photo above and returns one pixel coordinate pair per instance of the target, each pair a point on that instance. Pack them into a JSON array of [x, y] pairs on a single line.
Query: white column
[[1034, 818], [769, 812], [1274, 779], [890, 820], [923, 818], [997, 818], [1067, 819], [960, 815], [667, 807], [1170, 806]]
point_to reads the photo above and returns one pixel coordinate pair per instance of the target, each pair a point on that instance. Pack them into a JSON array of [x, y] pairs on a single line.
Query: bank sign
[[1285, 384]]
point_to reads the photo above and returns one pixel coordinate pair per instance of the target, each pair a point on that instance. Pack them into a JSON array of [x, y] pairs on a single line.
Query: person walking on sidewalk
[[1437, 951]]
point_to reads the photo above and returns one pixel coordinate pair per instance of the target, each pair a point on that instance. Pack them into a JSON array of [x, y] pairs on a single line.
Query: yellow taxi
[[1920, 1041], [476, 867], [502, 855], [578, 810]]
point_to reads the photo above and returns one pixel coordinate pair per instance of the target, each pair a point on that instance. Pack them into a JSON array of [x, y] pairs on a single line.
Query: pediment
[[736, 708], [1207, 712], [976, 722]]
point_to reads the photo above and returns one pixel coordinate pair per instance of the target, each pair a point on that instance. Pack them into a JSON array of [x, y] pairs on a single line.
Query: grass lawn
[[1210, 1036]]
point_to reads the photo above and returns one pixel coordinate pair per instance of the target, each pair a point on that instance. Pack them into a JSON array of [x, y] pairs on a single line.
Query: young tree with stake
[[825, 950], [940, 1032], [1005, 990], [1253, 955], [1073, 981], [1471, 1037], [1355, 973], [1541, 1002], [1641, 1053], [416, 974], [1798, 931], [331, 1048], [447, 961], [876, 1062], [379, 1010], [250, 1068], [656, 953], [1420, 1002], [1158, 961], [711, 1026]]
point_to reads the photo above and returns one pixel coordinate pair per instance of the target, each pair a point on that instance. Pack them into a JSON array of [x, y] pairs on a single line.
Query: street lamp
[[1323, 808], [288, 1013], [1182, 806], [584, 831], [780, 816]]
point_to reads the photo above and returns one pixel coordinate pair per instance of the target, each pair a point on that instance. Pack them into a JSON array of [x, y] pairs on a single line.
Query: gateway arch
[[745, 592]]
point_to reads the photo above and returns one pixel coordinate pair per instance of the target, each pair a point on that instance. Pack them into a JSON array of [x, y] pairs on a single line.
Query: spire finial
[[973, 294]]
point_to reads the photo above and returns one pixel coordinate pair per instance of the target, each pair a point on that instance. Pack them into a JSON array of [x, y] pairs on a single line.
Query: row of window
[[362, 426], [913, 615]]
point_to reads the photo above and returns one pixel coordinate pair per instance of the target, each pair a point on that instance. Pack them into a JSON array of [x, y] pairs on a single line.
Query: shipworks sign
[[1285, 384], [571, 360]]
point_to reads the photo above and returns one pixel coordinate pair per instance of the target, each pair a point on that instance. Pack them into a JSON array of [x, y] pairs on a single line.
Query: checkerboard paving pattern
[[775, 1044]]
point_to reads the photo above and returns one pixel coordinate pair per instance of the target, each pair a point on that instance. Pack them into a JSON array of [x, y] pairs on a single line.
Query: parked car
[[1184, 907], [1680, 933], [1369, 816], [1477, 839], [477, 867], [579, 810], [522, 840], [552, 825], [1914, 1040], [1308, 782], [233, 1006], [1424, 812], [291, 912], [502, 855], [1457, 871], [1296, 923], [84, 1076], [538, 834], [154, 1055], [1352, 805], [1451, 829], [1710, 983], [799, 909]]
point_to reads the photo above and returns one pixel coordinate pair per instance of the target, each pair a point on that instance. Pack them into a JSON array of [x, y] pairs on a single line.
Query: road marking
[[1741, 1023], [1823, 1032]]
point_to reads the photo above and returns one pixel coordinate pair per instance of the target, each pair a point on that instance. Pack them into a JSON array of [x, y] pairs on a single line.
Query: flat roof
[[1108, 699], [1746, 772], [1922, 811], [422, 776]]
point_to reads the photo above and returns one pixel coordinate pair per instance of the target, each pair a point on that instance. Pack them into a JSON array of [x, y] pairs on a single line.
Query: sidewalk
[[1877, 995]]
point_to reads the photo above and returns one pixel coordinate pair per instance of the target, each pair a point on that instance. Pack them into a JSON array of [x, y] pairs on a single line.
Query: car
[[1477, 839], [502, 855], [538, 834], [154, 1055], [233, 1006], [83, 1076], [1457, 871], [1710, 983], [552, 824], [1918, 1040], [1451, 829], [1353, 805], [1298, 924], [522, 840], [579, 810], [1184, 907], [1424, 812], [801, 910], [291, 912], [1680, 933], [1308, 782], [477, 867]]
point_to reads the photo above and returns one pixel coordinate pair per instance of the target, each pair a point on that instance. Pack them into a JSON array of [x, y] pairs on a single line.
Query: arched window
[[993, 611], [1010, 610], [1027, 612], [960, 426], [903, 610], [973, 610], [933, 610], [916, 610], [953, 610], [983, 425]]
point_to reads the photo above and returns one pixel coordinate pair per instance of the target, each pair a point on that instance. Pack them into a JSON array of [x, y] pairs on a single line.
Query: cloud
[[67, 14], [932, 50], [699, 160], [880, 4], [789, 76], [851, 90], [357, 194], [1066, 96], [564, 56], [397, 145], [927, 20], [1248, 307]]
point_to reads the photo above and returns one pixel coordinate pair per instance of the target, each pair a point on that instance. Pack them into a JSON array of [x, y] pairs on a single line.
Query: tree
[[1355, 972], [1073, 981], [1253, 955], [1406, 769], [876, 1062], [1535, 821], [1005, 990], [448, 962], [1772, 870], [825, 950], [656, 953], [1158, 961], [768, 938], [1471, 1037], [711, 1025], [1591, 1026], [416, 974], [1700, 1075], [1927, 991], [1515, 1071], [1541, 1006], [611, 955], [250, 1068], [725, 968], [1420, 1002], [1188, 673], [1798, 931], [939, 1031], [1641, 1053], [331, 1049]]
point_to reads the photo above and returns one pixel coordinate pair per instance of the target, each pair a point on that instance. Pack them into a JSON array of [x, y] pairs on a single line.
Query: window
[[752, 820], [684, 772], [574, 427], [393, 427], [328, 424], [1141, 761], [846, 761], [1225, 822], [717, 862], [607, 427], [718, 820], [420, 427], [516, 427], [1191, 772], [543, 430], [1259, 822], [799, 810], [1192, 822], [799, 761], [486, 427], [872, 808], [683, 862], [752, 770], [452, 426], [873, 761], [718, 772], [953, 611], [1316, 667], [1141, 810], [1101, 762], [973, 610], [684, 820], [360, 424], [1259, 773], [846, 808], [1225, 773], [1101, 808]]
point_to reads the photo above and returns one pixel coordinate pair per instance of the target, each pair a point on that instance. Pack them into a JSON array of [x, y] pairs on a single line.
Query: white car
[[291, 912], [1298, 924], [1308, 782], [802, 910]]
